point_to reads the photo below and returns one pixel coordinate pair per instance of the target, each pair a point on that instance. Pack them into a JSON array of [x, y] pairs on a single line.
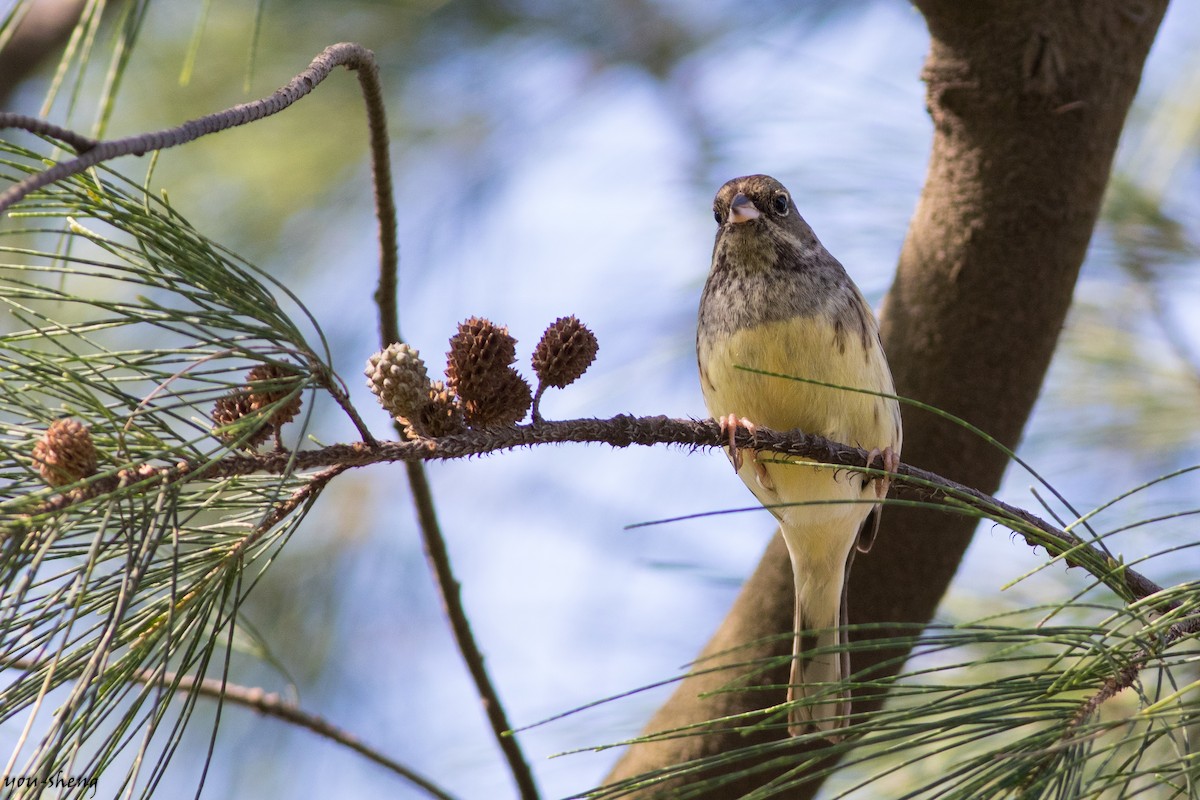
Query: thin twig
[[41, 127], [284, 508], [279, 511], [92, 152], [332, 384], [348, 54], [272, 705], [1113, 686], [431, 532], [385, 205]]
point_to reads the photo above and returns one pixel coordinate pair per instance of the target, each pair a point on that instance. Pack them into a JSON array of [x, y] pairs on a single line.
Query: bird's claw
[[729, 428], [891, 462]]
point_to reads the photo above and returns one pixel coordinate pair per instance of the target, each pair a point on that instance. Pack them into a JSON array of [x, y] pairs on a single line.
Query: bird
[[777, 301]]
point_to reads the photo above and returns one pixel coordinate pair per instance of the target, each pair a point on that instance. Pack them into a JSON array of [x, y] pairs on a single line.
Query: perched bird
[[777, 301]]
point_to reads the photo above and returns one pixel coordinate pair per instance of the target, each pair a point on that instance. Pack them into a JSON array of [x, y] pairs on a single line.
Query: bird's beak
[[742, 209]]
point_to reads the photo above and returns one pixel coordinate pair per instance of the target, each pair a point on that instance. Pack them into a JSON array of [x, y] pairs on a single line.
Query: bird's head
[[758, 220]]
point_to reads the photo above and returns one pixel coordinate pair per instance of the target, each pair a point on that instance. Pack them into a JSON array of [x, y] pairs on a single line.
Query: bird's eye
[[717, 214], [781, 204]]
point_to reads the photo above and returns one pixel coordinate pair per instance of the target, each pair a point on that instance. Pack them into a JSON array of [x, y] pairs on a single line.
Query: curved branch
[[347, 54], [41, 127], [272, 705]]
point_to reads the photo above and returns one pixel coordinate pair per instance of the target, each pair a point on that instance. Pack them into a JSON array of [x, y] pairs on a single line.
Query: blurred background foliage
[[555, 158]]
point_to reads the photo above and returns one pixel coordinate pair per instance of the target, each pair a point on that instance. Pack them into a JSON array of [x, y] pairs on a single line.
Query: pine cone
[[479, 355], [478, 371], [263, 396], [565, 352], [398, 378], [229, 409], [65, 453], [441, 413], [506, 402]]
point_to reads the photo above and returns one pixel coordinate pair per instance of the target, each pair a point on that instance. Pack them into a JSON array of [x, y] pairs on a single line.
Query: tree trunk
[[1028, 100]]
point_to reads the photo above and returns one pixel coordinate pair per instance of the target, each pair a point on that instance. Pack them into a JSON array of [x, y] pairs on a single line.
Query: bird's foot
[[891, 462], [729, 428]]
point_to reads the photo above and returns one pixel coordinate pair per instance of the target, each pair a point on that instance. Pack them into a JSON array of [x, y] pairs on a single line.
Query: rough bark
[[1028, 100]]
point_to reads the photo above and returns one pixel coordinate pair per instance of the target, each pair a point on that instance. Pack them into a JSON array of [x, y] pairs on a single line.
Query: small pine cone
[[232, 407], [480, 354], [398, 378], [440, 415], [506, 403], [565, 352], [65, 453], [261, 397]]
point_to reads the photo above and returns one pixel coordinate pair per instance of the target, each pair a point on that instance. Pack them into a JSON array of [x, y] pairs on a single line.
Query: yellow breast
[[804, 347]]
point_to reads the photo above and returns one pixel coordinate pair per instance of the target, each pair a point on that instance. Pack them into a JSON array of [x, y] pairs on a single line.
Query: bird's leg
[[729, 428], [891, 462]]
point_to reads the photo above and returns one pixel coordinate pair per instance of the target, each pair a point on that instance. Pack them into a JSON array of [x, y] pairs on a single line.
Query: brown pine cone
[[229, 409], [65, 453], [273, 375], [441, 414], [479, 354], [566, 350], [506, 403]]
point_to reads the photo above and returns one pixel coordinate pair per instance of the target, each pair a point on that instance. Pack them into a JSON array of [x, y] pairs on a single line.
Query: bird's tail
[[816, 675]]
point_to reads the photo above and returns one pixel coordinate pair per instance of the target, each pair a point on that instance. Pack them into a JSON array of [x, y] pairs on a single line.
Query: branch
[[269, 704], [91, 152], [1114, 685], [36, 125], [910, 483], [332, 384], [273, 705], [350, 55]]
